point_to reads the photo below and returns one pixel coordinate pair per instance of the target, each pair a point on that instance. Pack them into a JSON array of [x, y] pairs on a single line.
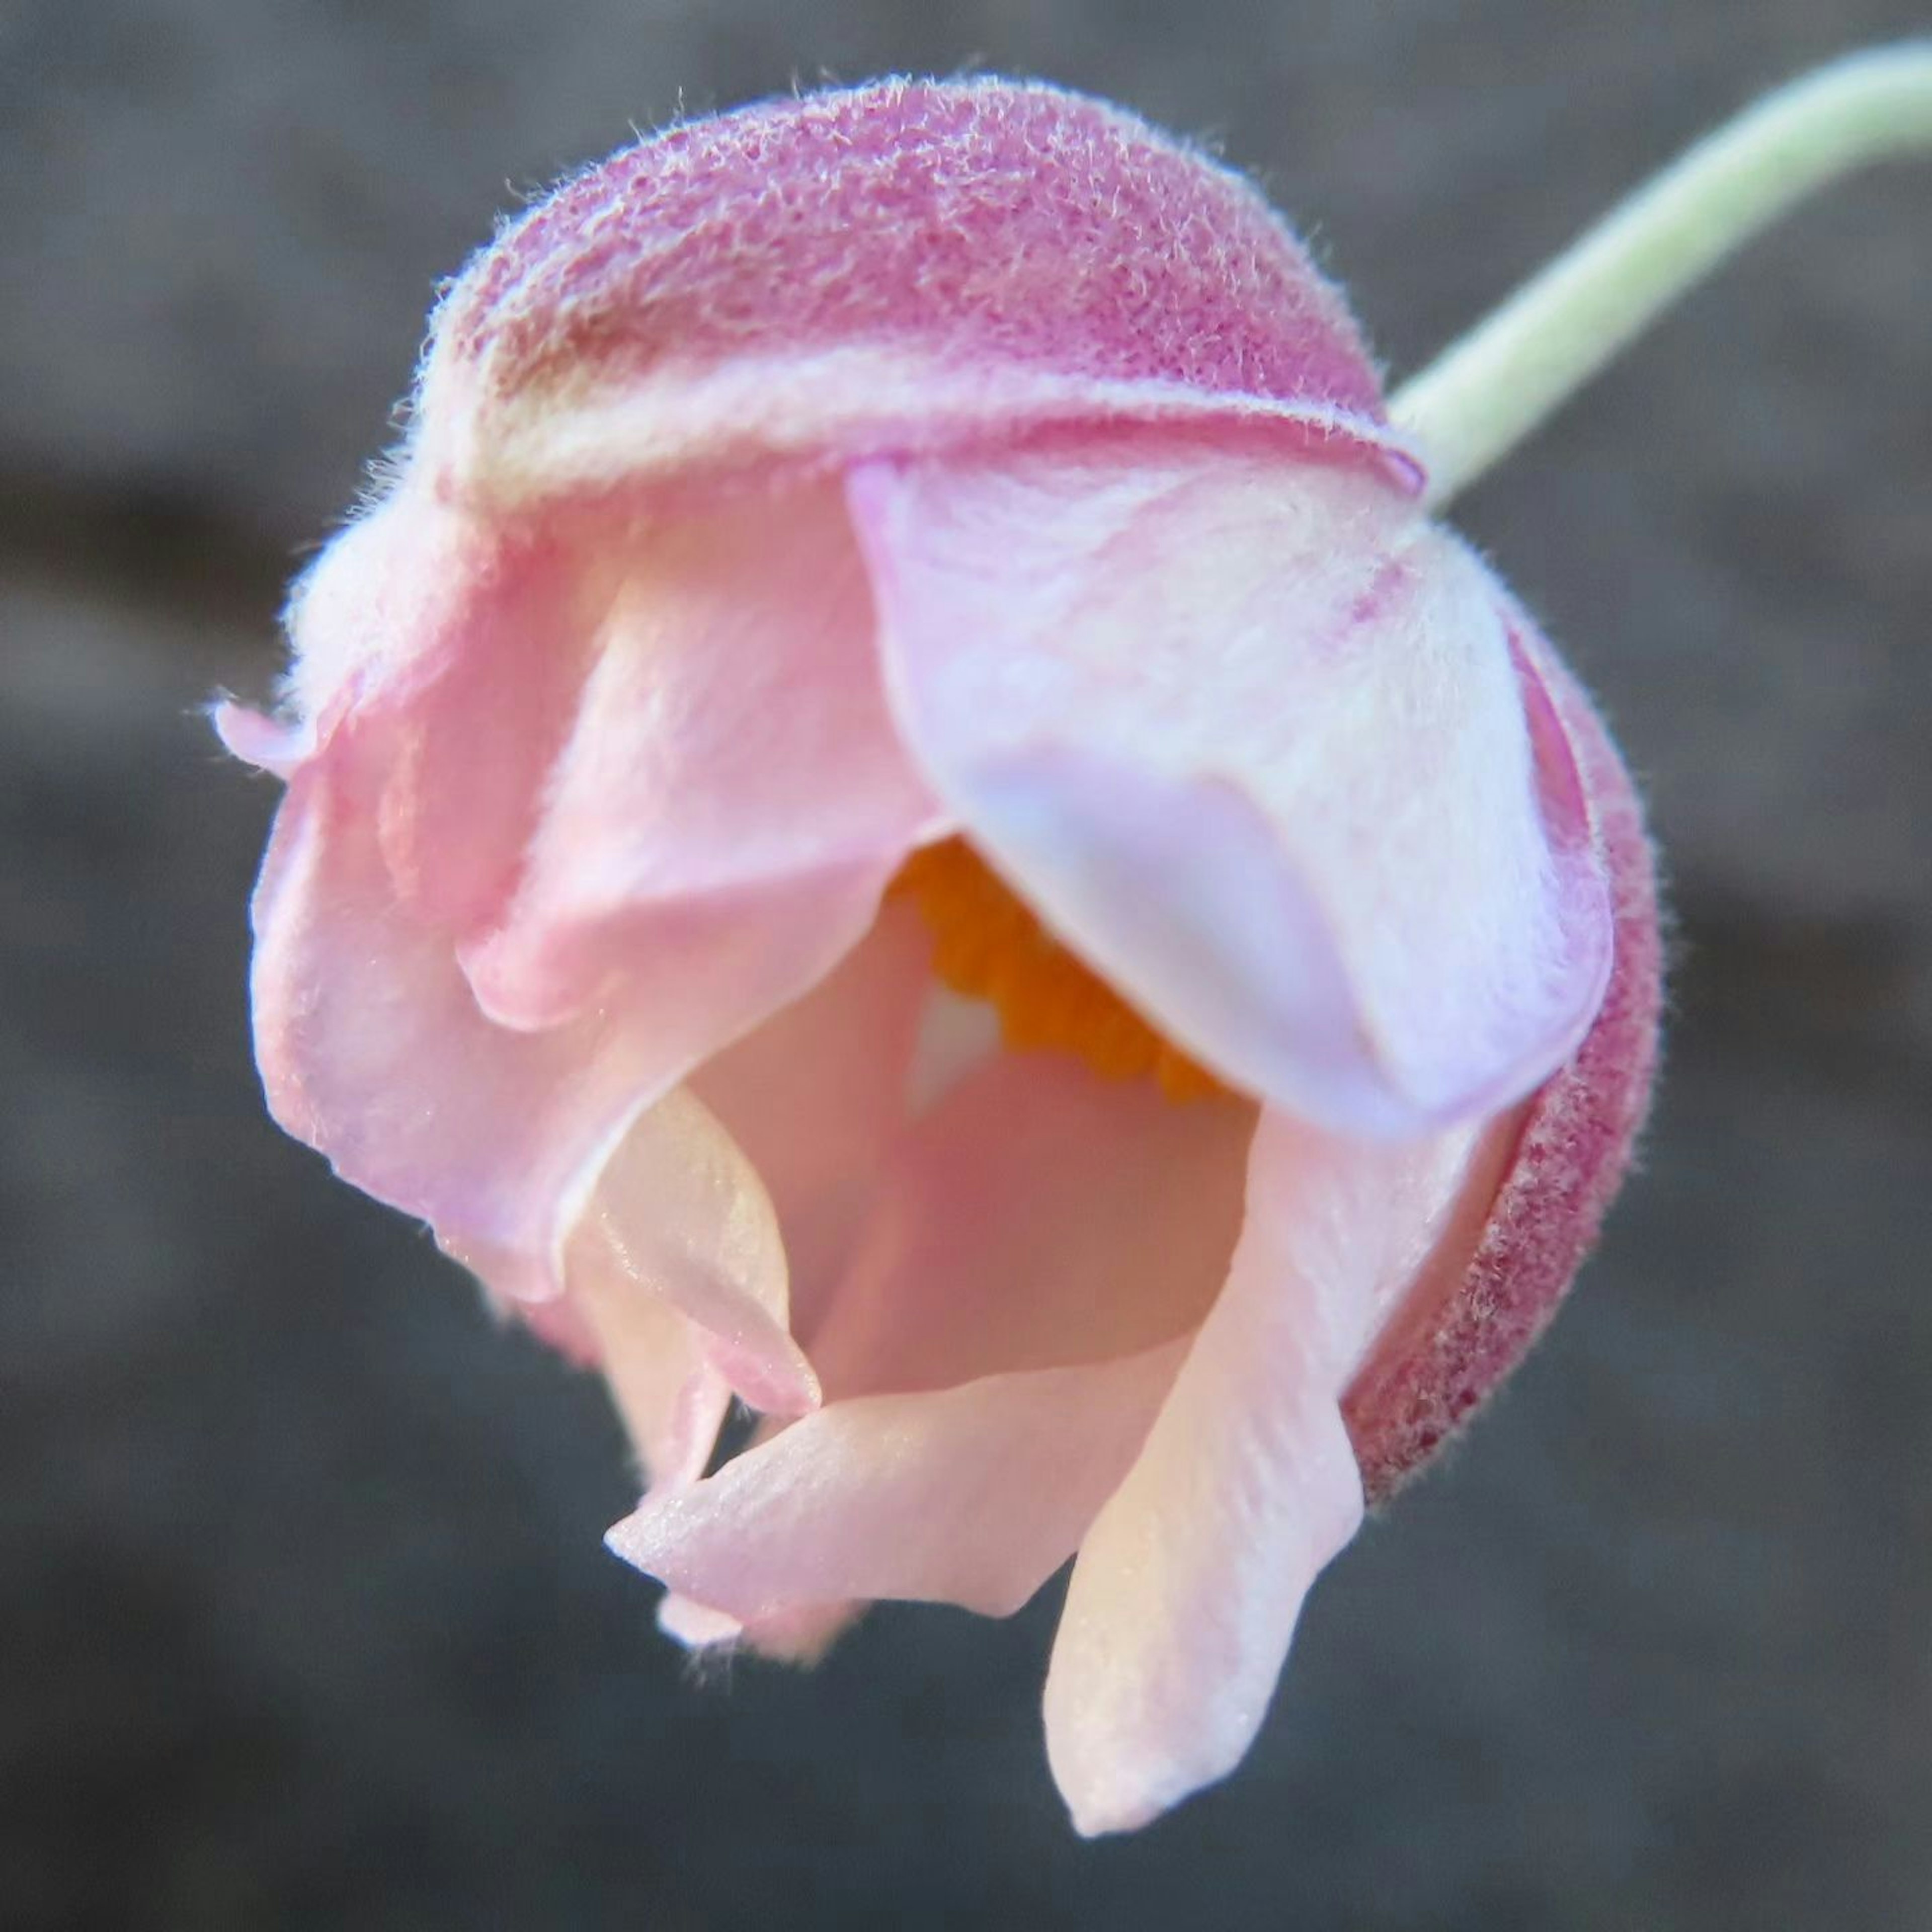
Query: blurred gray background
[[303, 1620]]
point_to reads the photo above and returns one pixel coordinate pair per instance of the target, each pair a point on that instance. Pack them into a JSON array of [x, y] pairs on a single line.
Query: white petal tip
[[1102, 1803], [268, 743], [774, 1380], [697, 1626]]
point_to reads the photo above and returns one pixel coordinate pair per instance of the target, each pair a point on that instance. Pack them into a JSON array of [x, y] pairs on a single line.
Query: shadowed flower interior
[[899, 815]]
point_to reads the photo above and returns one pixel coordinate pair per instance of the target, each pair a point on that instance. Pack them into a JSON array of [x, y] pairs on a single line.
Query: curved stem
[[1487, 392]]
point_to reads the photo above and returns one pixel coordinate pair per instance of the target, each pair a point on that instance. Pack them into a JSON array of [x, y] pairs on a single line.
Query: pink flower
[[864, 574]]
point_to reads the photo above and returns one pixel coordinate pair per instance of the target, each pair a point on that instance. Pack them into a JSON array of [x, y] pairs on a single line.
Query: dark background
[[303, 1617]]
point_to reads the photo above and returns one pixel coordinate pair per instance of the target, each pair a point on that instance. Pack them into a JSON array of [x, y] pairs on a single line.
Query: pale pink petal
[[730, 741], [903, 266], [464, 643], [815, 1095], [1189, 1583], [696, 1626], [1251, 736], [677, 1290], [672, 1398], [972, 1495], [679, 924], [1462, 1328], [800, 1636], [1038, 1215], [390, 600], [275, 744], [680, 1217], [372, 1049], [556, 1324]]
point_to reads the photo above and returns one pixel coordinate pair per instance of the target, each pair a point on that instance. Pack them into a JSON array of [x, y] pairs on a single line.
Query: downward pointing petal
[[672, 1399], [1189, 1584], [802, 1636], [680, 1214]]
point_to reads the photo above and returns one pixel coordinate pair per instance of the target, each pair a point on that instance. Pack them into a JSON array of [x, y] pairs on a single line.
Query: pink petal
[[680, 1217], [801, 1636], [463, 640], [677, 1291], [1250, 734], [271, 744], [1189, 1583], [1038, 1215], [730, 746], [659, 914], [1462, 1329], [373, 1050], [815, 1095], [672, 1399], [972, 1495], [696, 1626], [898, 267]]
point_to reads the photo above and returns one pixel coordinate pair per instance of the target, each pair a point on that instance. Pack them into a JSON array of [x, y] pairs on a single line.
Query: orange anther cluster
[[988, 945]]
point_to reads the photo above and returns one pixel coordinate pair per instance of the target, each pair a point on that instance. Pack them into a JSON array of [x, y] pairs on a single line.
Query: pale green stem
[[1486, 392]]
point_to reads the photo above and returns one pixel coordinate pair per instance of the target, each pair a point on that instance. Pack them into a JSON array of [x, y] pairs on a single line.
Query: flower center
[[988, 945]]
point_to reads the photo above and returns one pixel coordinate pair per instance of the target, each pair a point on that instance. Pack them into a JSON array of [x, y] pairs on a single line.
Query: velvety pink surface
[[1452, 1346], [980, 222]]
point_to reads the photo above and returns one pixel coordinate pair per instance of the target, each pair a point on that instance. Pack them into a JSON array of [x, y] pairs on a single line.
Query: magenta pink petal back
[[899, 267]]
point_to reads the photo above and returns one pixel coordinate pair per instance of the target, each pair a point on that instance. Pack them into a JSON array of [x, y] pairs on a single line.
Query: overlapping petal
[[1038, 1215], [672, 1398], [972, 1494], [816, 1096], [1250, 735], [906, 266], [438, 869], [729, 752], [1189, 1585], [680, 1216]]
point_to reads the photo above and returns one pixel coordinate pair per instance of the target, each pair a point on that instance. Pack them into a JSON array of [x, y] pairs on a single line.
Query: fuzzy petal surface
[[903, 266]]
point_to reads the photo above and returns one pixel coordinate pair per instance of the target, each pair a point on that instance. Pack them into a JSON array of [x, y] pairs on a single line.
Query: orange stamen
[[988, 945]]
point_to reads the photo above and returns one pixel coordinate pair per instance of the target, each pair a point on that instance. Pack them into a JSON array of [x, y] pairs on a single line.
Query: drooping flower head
[[898, 813]]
